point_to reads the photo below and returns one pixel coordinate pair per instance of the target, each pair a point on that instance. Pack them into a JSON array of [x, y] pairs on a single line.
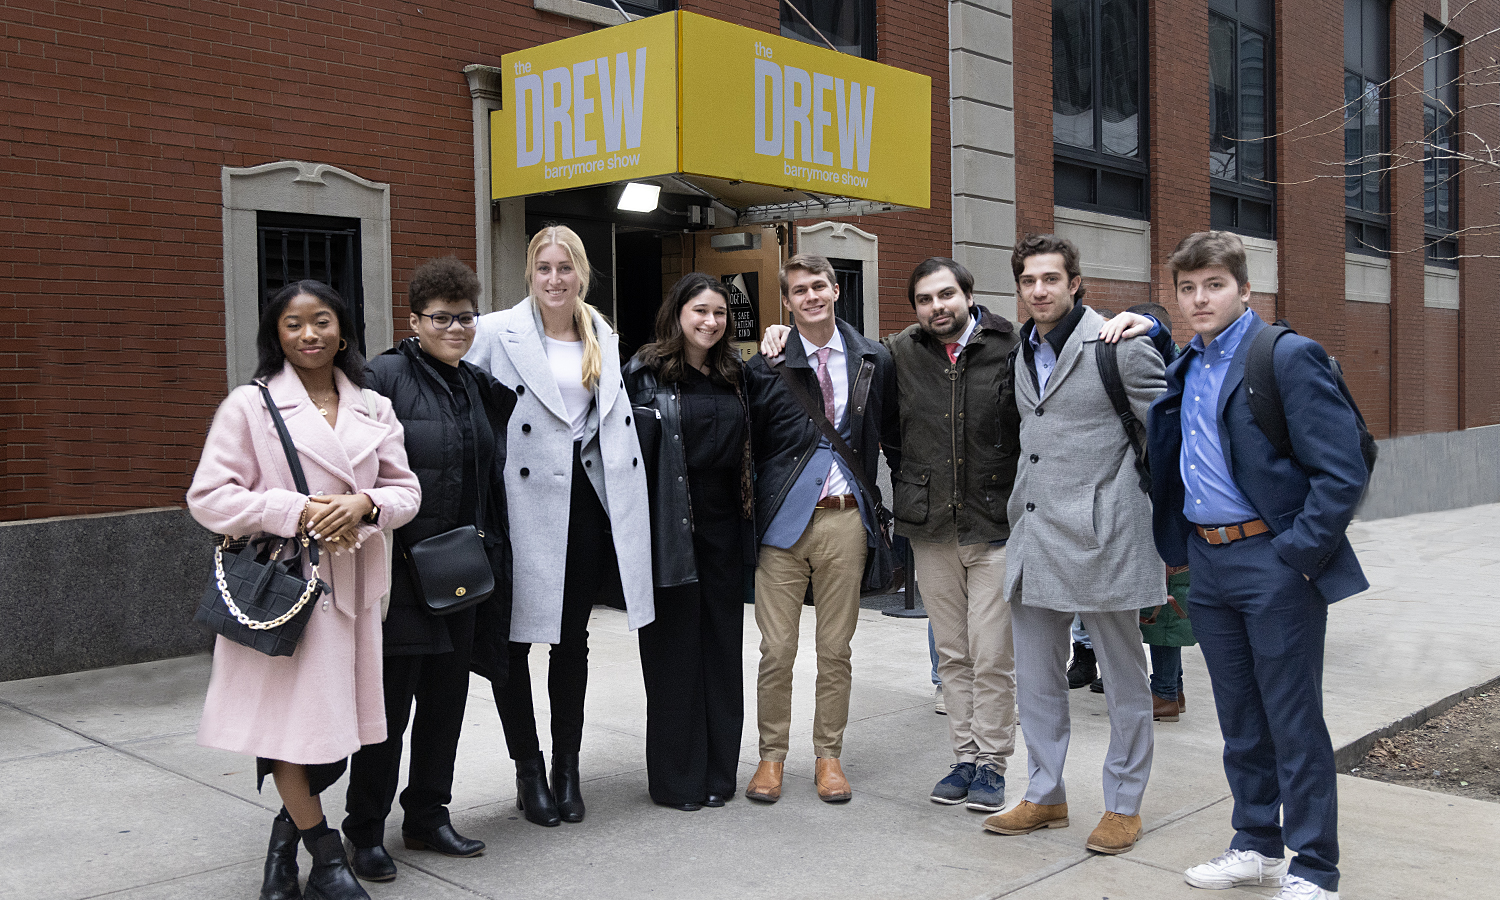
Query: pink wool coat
[[323, 702]]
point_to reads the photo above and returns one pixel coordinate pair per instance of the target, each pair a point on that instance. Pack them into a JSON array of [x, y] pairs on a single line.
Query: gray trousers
[[1042, 645]]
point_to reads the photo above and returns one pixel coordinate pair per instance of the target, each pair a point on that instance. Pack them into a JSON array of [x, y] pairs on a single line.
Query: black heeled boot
[[565, 786], [280, 882], [331, 878], [532, 796]]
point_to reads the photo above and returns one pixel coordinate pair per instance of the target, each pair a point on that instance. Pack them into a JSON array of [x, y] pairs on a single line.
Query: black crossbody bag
[[880, 560], [255, 598]]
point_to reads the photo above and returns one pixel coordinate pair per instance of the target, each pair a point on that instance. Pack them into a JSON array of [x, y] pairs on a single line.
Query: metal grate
[[294, 247]]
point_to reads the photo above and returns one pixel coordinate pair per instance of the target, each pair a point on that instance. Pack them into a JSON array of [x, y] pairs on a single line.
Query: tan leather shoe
[[833, 787], [1115, 833], [1026, 817], [765, 785], [1164, 710]]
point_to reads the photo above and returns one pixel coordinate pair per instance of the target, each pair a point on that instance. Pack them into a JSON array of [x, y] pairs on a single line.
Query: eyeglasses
[[443, 321]]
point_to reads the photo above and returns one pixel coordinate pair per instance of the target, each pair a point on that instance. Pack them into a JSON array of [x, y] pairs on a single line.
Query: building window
[[1439, 163], [1239, 152], [1366, 71], [292, 247], [848, 24], [1098, 105], [639, 7]]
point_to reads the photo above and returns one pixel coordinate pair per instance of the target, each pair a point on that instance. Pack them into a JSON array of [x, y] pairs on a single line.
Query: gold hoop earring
[[343, 345]]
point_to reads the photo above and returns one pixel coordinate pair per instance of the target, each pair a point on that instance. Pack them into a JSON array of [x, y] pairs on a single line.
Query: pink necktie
[[952, 349], [825, 382]]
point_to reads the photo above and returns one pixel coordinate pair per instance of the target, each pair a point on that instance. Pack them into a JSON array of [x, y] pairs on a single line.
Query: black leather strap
[[825, 428], [292, 458]]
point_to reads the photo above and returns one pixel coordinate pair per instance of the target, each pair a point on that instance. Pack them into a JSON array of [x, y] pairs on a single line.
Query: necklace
[[323, 405]]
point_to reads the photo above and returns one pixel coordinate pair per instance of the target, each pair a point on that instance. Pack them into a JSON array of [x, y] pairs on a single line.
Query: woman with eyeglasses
[[454, 415], [703, 539], [302, 715], [576, 493]]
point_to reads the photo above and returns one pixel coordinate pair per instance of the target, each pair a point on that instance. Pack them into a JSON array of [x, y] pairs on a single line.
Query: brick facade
[[1413, 368], [118, 117]]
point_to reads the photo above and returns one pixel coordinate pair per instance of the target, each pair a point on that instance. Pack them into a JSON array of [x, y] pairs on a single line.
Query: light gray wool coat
[[508, 344], [1080, 538]]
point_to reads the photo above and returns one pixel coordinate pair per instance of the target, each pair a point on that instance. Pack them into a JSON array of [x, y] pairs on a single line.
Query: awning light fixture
[[639, 197]]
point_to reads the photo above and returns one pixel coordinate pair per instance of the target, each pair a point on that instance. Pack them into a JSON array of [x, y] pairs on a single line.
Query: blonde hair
[[583, 313]]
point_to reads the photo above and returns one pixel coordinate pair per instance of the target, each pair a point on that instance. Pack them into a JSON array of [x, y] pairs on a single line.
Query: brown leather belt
[[838, 501], [1226, 534]]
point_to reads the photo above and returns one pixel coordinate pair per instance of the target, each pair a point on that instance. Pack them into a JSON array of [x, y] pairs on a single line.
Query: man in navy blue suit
[[1264, 537]]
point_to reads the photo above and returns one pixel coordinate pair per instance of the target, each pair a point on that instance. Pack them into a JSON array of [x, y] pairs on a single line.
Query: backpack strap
[[1107, 358], [1264, 393]]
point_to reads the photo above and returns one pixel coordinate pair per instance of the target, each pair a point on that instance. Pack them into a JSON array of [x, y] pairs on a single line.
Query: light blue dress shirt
[[1044, 358], [1210, 496]]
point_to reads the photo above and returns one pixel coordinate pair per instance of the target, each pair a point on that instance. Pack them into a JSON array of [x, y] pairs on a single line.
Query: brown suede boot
[[1115, 833], [765, 785], [833, 787], [1164, 710]]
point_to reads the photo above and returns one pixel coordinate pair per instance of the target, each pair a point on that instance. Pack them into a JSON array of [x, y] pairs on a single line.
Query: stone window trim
[[840, 240], [316, 189]]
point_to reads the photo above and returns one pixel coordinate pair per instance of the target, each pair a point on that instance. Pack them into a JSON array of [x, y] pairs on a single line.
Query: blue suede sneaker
[[954, 789], [987, 790]]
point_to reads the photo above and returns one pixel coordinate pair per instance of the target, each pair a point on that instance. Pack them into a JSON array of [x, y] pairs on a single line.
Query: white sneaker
[[1294, 887], [1236, 868], [938, 706]]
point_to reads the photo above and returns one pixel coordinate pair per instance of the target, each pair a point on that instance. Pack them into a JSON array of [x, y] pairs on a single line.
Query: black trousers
[[439, 684], [691, 660], [590, 561]]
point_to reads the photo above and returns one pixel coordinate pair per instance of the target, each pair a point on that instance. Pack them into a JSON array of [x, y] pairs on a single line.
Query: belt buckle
[[1223, 534]]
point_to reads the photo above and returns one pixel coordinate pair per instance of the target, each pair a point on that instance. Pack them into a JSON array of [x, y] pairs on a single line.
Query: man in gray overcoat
[[1080, 542]]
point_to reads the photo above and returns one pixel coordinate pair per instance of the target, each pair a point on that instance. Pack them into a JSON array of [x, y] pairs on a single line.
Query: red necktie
[[953, 349]]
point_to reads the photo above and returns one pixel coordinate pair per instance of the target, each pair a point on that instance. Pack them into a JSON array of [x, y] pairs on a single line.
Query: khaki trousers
[[963, 589], [830, 554]]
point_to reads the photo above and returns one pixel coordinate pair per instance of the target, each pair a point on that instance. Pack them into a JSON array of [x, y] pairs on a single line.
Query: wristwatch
[[373, 516]]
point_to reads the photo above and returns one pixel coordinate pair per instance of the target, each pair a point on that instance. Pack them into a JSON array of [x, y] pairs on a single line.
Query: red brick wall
[[1031, 22], [1366, 362], [1478, 398], [1441, 393], [1178, 124], [118, 116]]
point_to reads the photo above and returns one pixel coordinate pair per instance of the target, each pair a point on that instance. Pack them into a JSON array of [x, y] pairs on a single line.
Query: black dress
[[691, 655]]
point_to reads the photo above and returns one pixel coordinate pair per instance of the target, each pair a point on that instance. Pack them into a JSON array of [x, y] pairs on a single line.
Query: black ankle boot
[[532, 796], [565, 786], [1084, 669], [280, 882], [331, 877]]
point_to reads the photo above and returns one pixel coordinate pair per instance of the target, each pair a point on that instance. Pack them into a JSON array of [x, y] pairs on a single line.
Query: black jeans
[[590, 560]]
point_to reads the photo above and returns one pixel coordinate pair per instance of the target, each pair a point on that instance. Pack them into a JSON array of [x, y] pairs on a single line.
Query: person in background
[[454, 416], [703, 543], [302, 715], [575, 488]]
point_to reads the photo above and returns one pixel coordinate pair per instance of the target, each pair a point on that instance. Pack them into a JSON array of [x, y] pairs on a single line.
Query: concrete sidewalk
[[103, 791]]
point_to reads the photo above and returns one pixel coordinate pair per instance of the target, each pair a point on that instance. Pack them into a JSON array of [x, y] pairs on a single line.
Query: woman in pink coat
[[303, 715]]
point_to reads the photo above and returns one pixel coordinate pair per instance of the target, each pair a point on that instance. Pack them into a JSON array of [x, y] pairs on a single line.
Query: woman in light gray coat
[[576, 490]]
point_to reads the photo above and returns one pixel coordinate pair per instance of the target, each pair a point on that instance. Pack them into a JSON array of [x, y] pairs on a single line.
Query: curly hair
[[442, 279]]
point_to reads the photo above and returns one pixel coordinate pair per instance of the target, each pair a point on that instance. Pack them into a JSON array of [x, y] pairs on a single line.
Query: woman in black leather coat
[[690, 381], [455, 416]]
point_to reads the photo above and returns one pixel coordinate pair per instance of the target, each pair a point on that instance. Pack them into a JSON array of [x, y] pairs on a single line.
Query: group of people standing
[[1012, 477]]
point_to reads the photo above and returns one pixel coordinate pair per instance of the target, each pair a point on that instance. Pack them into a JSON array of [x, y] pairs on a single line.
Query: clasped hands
[[333, 520]]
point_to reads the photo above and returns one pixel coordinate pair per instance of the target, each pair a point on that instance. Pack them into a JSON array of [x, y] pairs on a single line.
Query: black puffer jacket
[[424, 403], [784, 437]]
